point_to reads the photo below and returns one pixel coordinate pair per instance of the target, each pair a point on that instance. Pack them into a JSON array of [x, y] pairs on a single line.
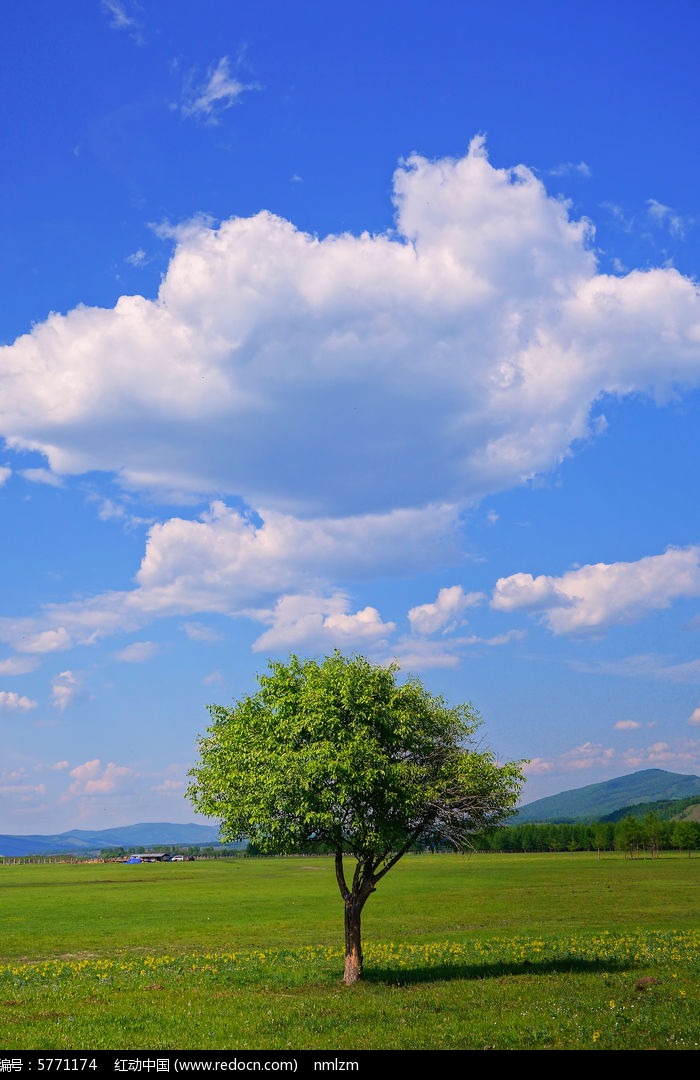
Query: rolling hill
[[609, 801], [596, 802], [86, 842]]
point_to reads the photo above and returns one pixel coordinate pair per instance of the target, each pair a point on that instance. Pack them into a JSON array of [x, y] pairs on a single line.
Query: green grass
[[501, 951]]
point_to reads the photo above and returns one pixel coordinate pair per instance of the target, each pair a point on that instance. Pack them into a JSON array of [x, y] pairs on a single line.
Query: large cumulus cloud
[[457, 354], [602, 594]]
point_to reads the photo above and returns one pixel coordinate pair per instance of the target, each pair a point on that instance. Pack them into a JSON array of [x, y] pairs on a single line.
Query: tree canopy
[[337, 752]]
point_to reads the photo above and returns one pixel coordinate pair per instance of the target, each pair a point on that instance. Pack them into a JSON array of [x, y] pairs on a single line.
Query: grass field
[[563, 951]]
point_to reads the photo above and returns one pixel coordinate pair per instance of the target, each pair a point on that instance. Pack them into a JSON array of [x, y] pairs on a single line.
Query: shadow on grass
[[446, 972]]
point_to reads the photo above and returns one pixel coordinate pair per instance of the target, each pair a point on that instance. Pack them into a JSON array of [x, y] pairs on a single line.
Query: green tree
[[603, 836], [652, 833], [684, 835], [628, 835], [338, 753]]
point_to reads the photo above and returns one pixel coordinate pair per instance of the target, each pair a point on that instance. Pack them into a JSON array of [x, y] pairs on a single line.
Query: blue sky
[[368, 326]]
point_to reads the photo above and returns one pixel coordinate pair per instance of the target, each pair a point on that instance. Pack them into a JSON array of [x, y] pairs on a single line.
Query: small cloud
[[138, 652], [199, 632], [58, 766], [213, 678], [92, 779], [42, 476], [170, 787], [694, 717], [567, 168], [23, 792], [643, 666], [587, 756], [121, 19], [497, 639], [422, 654], [219, 91], [445, 613], [183, 231], [666, 218], [109, 510], [18, 665], [137, 258], [5, 474], [45, 641], [296, 179], [309, 621], [64, 690], [12, 702], [620, 216], [627, 725], [538, 766]]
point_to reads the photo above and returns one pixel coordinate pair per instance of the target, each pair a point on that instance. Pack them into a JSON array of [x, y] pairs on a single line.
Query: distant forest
[[633, 835]]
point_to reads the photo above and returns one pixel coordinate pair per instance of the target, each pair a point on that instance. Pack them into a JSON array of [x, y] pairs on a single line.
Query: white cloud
[[93, 778], [37, 641], [219, 91], [18, 665], [603, 593], [586, 756], [5, 474], [64, 689], [138, 652], [41, 476], [230, 556], [227, 563], [12, 702], [627, 725], [497, 639], [170, 787], [121, 19], [644, 666], [358, 393], [538, 767], [23, 792], [569, 167], [666, 217], [214, 678], [419, 654], [445, 613], [111, 510], [457, 355], [199, 632], [682, 756], [694, 717], [313, 621], [137, 258]]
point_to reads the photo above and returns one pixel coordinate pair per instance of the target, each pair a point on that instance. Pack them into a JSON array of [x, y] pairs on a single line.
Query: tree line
[[633, 836]]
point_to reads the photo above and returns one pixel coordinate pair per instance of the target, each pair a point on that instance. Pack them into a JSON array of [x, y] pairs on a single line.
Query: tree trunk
[[363, 885], [353, 939]]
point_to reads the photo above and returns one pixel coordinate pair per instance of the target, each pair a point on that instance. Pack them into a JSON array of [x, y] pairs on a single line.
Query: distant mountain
[[83, 841], [597, 801]]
